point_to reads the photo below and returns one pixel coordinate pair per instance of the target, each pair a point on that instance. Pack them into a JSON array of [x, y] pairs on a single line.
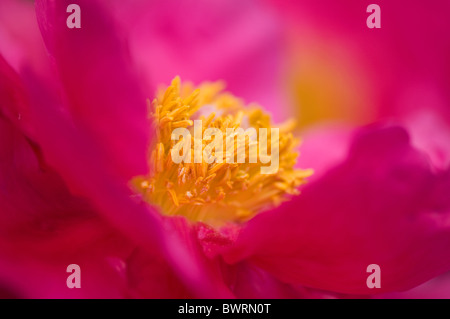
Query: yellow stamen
[[216, 192]]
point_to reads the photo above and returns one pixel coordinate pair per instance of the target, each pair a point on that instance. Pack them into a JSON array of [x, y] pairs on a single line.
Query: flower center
[[220, 186]]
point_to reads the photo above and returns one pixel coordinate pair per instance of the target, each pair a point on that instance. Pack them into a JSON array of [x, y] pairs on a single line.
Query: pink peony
[[75, 134]]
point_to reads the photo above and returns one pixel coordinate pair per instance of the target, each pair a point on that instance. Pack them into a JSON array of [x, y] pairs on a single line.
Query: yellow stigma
[[214, 193]]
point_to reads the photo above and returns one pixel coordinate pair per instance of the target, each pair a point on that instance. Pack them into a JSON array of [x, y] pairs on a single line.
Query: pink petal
[[332, 140], [436, 288], [20, 39], [199, 272], [401, 65], [67, 150], [150, 276], [44, 228], [250, 282], [431, 134], [239, 42], [34, 266], [100, 85], [383, 206], [244, 279], [81, 166]]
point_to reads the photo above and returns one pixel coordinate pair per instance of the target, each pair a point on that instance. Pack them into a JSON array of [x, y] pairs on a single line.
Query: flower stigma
[[245, 167]]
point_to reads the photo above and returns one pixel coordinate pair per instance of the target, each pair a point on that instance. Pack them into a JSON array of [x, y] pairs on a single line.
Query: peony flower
[[86, 178]]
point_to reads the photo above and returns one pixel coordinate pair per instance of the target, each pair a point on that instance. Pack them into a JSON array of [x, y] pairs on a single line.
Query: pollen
[[219, 188]]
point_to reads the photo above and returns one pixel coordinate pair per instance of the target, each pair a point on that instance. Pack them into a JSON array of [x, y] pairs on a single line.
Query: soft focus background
[[321, 56], [314, 61]]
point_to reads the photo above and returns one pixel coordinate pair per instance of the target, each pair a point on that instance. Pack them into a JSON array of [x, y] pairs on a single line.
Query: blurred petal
[[70, 152], [43, 227], [250, 282], [199, 272], [344, 70], [20, 40], [431, 134], [239, 42], [74, 156], [34, 266], [383, 206], [332, 140], [436, 288], [150, 276], [244, 279], [100, 85]]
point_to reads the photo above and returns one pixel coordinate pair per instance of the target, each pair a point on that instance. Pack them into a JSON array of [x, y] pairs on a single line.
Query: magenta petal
[[100, 85], [69, 151], [383, 205], [431, 134], [35, 265], [201, 274], [436, 288], [20, 39], [150, 276], [43, 227], [239, 42], [31, 193], [250, 282], [323, 147], [27, 278]]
